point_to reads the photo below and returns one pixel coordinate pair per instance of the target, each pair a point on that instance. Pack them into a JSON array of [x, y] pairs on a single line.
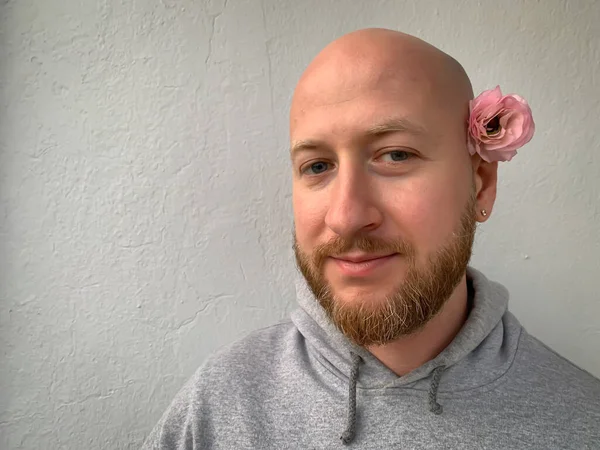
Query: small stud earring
[[484, 213]]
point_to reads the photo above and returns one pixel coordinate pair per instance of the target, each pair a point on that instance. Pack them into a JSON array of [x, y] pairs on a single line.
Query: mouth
[[362, 265]]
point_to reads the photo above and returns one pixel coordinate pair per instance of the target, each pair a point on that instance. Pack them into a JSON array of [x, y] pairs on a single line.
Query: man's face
[[383, 200]]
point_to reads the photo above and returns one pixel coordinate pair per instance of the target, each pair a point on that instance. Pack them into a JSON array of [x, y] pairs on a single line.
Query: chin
[[365, 296]]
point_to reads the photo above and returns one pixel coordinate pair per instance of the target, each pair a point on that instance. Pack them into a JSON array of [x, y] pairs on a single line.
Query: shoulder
[[244, 364], [552, 375], [223, 387], [259, 347]]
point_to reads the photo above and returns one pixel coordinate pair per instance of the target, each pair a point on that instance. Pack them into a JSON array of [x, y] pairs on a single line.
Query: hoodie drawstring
[[348, 435], [434, 406]]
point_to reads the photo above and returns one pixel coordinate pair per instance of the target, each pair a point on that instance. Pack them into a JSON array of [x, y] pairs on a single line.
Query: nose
[[352, 203]]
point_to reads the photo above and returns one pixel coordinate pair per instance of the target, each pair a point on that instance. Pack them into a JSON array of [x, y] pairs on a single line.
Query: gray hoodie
[[301, 384]]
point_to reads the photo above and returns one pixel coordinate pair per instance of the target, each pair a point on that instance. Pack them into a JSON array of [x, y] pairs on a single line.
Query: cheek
[[309, 218], [427, 212]]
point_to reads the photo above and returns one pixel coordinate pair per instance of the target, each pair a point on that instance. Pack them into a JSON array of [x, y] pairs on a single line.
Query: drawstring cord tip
[[436, 408], [348, 435]]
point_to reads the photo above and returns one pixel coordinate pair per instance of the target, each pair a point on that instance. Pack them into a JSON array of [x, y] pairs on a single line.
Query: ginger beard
[[412, 303]]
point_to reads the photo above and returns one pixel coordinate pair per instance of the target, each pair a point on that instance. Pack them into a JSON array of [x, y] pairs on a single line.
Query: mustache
[[367, 244]]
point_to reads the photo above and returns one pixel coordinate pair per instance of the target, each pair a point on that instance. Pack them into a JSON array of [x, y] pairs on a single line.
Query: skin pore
[[385, 193]]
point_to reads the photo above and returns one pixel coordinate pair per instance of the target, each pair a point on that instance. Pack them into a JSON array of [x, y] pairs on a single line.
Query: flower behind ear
[[498, 125]]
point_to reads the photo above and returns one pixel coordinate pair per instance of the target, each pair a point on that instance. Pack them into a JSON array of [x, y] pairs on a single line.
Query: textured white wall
[[145, 194]]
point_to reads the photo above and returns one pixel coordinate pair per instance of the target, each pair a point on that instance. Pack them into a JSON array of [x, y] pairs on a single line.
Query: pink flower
[[499, 125]]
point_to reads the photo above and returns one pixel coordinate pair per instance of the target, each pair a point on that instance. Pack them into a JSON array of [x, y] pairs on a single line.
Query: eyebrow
[[391, 125], [303, 145], [396, 125]]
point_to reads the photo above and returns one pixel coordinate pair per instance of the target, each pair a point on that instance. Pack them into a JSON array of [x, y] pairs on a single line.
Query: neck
[[409, 352]]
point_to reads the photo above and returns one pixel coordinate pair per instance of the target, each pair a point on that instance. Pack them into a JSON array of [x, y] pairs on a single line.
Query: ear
[[485, 175]]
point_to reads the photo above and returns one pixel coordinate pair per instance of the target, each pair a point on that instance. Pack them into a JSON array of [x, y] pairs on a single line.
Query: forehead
[[413, 84], [363, 110]]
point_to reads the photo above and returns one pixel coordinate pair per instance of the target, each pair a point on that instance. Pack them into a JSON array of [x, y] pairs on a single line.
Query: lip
[[361, 265]]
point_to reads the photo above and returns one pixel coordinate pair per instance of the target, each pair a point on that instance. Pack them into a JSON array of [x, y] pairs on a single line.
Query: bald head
[[385, 61]]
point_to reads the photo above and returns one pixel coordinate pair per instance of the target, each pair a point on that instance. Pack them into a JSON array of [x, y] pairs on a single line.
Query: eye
[[397, 156], [316, 168]]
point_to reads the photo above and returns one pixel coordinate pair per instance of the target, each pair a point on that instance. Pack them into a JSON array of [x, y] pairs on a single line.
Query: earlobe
[[485, 179], [482, 216]]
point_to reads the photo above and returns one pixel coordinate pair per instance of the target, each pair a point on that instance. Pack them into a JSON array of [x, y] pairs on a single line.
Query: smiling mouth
[[360, 258], [363, 265]]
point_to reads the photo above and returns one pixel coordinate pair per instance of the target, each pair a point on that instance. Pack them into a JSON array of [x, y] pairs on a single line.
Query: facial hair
[[413, 302]]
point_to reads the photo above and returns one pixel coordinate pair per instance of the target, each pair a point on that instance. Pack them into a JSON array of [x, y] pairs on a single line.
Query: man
[[397, 342]]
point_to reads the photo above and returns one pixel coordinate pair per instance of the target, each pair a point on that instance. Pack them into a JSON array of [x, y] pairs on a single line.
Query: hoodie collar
[[482, 341]]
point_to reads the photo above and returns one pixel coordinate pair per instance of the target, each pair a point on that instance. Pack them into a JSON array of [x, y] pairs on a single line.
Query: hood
[[479, 354]]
